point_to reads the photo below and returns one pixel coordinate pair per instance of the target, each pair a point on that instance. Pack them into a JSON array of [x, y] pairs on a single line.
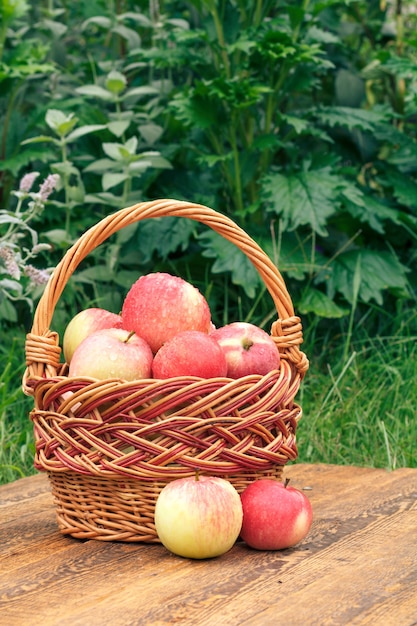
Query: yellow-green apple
[[275, 516], [248, 349], [159, 306], [190, 353], [83, 324], [112, 353], [198, 517]]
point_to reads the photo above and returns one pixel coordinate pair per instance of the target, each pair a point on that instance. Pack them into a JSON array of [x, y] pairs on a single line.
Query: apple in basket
[[112, 353], [248, 349], [198, 517], [275, 516], [83, 324], [158, 306], [190, 353]]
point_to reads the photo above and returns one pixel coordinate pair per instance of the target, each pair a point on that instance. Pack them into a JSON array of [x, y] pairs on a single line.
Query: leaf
[[118, 127], [150, 132], [139, 92], [59, 122], [350, 117], [40, 139], [99, 166], [113, 150], [379, 271], [317, 302], [116, 82], [96, 92], [374, 213], [163, 236], [84, 130], [191, 109], [229, 258], [129, 35], [299, 124], [98, 20], [111, 179], [304, 198], [404, 187]]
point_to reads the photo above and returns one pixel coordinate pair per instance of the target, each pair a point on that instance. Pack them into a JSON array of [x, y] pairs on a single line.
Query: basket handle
[[287, 330]]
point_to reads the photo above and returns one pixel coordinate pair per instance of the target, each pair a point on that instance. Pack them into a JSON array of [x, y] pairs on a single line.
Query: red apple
[[275, 516], [248, 349], [198, 517], [158, 306], [190, 353], [85, 323], [112, 353]]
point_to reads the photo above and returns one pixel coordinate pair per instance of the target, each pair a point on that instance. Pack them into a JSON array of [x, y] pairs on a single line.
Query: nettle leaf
[[374, 213], [404, 188], [317, 302], [192, 110], [303, 198], [164, 236], [378, 271], [231, 259], [350, 117]]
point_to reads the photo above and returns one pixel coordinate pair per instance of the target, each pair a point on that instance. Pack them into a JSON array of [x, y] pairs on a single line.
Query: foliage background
[[297, 119]]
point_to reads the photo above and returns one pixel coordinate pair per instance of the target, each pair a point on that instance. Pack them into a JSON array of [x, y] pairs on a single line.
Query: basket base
[[109, 508]]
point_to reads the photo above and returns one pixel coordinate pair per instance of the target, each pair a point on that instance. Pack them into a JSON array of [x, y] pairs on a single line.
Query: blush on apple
[[275, 516], [112, 353], [158, 306], [83, 324], [198, 517], [190, 353], [248, 349]]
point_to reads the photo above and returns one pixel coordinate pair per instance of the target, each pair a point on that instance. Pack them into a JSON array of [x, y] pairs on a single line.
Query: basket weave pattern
[[110, 446]]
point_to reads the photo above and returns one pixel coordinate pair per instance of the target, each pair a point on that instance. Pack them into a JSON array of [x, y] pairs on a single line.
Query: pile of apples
[[203, 516], [164, 330]]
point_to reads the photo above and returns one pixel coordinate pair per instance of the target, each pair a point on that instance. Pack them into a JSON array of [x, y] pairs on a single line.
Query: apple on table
[[198, 517], [275, 516], [248, 349]]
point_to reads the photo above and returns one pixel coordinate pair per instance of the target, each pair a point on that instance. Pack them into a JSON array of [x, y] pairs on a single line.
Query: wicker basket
[[110, 446]]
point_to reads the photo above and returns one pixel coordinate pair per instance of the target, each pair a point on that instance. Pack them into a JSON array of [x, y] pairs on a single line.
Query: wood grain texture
[[357, 566]]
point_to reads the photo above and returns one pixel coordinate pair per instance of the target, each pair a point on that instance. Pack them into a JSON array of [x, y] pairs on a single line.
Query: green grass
[[361, 409], [16, 440], [359, 399]]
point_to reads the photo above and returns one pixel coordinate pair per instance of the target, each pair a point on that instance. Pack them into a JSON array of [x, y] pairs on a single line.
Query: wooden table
[[357, 566]]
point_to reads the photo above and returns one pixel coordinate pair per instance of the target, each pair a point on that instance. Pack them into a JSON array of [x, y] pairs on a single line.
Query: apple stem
[[287, 480], [197, 474], [130, 335]]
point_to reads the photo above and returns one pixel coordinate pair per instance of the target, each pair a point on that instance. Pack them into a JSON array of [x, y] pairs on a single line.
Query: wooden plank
[[357, 566]]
